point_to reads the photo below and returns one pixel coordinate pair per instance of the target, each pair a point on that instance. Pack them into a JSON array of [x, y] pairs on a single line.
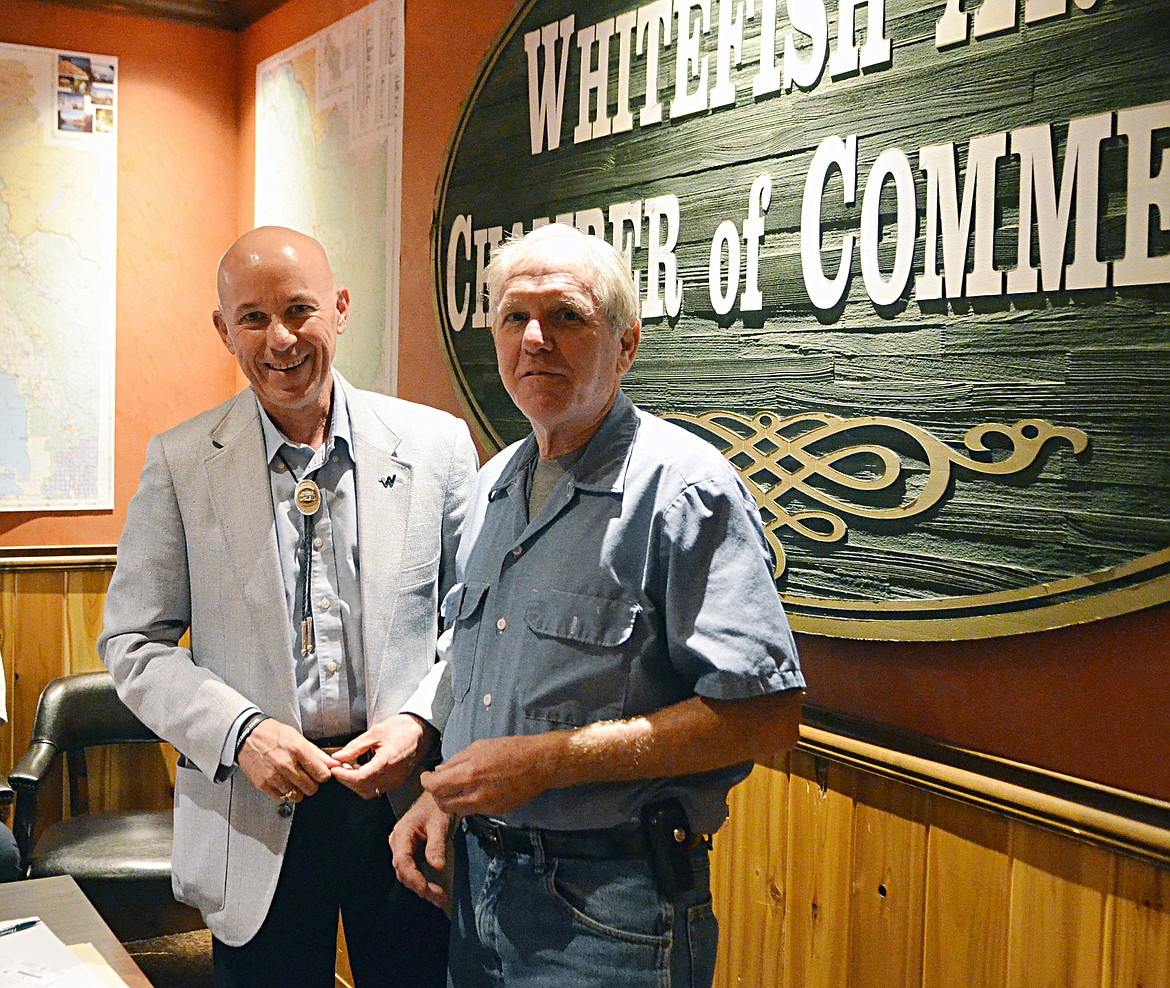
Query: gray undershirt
[[545, 477]]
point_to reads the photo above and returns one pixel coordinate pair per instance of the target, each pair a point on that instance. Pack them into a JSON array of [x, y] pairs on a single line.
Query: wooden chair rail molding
[[57, 557], [1121, 821]]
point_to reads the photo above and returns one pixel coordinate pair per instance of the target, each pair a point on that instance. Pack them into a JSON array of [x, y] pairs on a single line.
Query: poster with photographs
[[86, 93]]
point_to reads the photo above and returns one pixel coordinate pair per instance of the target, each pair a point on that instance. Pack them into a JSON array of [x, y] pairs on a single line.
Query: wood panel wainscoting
[[869, 859], [864, 859], [51, 603]]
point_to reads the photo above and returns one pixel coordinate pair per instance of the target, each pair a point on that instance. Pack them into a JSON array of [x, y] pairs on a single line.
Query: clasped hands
[[284, 765]]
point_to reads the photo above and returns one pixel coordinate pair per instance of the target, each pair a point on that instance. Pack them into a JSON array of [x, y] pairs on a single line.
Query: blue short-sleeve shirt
[[643, 580]]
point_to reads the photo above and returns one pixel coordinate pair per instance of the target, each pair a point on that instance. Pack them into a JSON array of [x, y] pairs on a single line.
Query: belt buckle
[[361, 759], [494, 835]]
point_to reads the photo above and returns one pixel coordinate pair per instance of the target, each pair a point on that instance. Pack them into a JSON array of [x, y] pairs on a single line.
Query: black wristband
[[246, 730]]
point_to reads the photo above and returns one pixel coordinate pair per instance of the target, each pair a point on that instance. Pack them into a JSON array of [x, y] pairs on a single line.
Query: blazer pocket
[[200, 853], [421, 575]]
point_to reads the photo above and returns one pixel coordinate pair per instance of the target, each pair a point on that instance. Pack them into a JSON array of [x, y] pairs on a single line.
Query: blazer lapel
[[241, 494], [384, 485]]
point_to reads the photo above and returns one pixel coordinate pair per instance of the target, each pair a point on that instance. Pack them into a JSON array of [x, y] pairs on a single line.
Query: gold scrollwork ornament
[[778, 456]]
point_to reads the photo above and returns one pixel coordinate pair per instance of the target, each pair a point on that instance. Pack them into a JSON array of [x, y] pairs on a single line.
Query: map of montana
[[58, 187]]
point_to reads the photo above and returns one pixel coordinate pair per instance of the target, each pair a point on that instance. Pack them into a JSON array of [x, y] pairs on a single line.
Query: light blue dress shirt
[[331, 680]]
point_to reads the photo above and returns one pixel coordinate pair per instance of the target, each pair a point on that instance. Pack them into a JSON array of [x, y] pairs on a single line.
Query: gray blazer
[[199, 552]]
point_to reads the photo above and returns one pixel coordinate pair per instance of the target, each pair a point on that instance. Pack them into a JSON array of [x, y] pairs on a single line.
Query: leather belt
[[333, 744], [625, 841]]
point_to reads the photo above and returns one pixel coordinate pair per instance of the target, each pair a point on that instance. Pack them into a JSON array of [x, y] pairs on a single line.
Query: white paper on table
[[98, 965], [37, 957]]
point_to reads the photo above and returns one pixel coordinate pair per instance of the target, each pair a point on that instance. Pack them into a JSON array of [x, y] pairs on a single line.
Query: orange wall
[[177, 173], [1088, 701]]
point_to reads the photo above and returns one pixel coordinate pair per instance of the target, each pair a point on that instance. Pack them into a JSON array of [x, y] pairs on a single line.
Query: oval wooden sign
[[905, 263]]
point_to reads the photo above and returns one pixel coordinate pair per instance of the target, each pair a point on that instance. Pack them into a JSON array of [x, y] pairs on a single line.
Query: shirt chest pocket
[[582, 662], [460, 608]]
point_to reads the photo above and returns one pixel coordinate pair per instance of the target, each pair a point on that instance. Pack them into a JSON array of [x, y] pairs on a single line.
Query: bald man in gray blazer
[[304, 532]]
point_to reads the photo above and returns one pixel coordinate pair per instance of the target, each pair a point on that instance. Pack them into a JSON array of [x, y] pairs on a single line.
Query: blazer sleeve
[[147, 612], [433, 699]]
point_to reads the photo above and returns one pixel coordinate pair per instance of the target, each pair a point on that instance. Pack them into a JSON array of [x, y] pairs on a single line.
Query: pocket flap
[[603, 621], [462, 601]]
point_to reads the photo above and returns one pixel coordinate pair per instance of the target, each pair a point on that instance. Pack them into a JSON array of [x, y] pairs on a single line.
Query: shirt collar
[[339, 425], [601, 467]]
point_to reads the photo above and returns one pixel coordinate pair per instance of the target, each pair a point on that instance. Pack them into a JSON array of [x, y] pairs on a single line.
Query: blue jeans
[[530, 921]]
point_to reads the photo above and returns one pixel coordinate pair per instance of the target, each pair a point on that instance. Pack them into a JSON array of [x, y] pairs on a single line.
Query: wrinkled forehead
[[549, 283], [553, 266]]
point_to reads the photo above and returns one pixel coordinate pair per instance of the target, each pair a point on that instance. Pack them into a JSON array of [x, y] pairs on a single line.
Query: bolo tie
[[307, 498]]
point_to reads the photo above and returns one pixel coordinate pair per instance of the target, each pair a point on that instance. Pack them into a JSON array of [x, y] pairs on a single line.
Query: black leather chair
[[122, 860]]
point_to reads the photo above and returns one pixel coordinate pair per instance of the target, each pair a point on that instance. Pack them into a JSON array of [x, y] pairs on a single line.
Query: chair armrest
[[33, 767], [26, 778]]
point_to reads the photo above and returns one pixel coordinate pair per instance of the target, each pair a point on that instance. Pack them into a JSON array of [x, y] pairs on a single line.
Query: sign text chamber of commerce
[[906, 264]]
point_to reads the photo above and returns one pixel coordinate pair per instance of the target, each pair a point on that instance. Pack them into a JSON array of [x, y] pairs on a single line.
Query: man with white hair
[[619, 657]]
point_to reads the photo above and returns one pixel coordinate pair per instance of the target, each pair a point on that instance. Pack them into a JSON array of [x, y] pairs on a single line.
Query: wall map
[[906, 263]]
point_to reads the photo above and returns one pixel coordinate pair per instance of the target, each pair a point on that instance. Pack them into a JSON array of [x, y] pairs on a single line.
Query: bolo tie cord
[[308, 642]]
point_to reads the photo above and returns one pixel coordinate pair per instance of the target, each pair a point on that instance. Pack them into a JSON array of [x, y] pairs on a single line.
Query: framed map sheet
[[58, 249]]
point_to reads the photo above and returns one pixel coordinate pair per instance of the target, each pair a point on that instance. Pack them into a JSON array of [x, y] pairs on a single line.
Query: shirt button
[[279, 467], [518, 551], [324, 603], [501, 624], [333, 459], [332, 667], [318, 542], [487, 699]]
